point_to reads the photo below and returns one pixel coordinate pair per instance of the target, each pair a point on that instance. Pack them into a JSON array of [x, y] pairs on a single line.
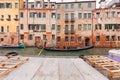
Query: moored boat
[[13, 46], [114, 54], [67, 50]]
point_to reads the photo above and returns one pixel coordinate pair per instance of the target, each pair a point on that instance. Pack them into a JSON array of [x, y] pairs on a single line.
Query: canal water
[[35, 51]]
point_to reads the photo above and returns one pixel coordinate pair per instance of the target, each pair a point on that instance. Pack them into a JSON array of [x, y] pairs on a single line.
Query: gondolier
[[45, 43]]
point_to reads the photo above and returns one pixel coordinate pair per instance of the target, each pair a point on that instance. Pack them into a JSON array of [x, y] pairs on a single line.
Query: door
[[87, 41], [37, 41]]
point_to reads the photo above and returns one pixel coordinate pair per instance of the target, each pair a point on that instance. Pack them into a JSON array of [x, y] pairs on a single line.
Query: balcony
[[16, 18], [1, 19], [72, 20], [66, 20], [8, 19]]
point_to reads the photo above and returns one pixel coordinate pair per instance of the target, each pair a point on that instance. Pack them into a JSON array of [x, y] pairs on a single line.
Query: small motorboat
[[114, 54], [67, 50], [13, 46]]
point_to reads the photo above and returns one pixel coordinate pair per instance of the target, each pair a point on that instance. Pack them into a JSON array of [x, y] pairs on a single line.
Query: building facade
[[106, 25], [37, 23], [9, 21], [74, 23]]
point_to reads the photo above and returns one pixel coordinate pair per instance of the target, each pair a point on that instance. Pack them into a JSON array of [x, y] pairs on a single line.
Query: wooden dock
[[54, 69]]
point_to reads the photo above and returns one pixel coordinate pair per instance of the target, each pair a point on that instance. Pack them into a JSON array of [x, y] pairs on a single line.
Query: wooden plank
[[68, 71], [26, 71], [87, 71], [48, 70]]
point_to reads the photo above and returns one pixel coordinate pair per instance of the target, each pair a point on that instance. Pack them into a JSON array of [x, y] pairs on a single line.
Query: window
[[66, 6], [21, 26], [58, 39], [22, 36], [89, 4], [89, 15], [97, 38], [46, 6], [44, 15], [52, 6], [58, 16], [79, 27], [72, 38], [16, 16], [53, 26], [38, 26], [43, 27], [58, 28], [2, 39], [39, 15], [21, 14], [79, 5], [113, 38], [107, 38], [72, 5], [38, 4], [16, 5], [66, 17], [2, 5], [32, 6], [58, 6], [107, 14], [29, 27], [72, 29], [113, 14], [53, 37], [85, 27], [79, 39], [66, 29], [44, 37], [53, 15], [2, 29], [31, 14], [100, 26], [85, 15], [7, 28], [66, 39], [89, 26], [2, 16], [8, 5], [118, 38], [79, 15], [72, 16], [98, 15]]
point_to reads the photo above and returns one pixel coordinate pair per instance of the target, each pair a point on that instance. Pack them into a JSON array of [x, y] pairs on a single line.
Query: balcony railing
[[72, 20], [8, 19], [16, 18], [66, 20]]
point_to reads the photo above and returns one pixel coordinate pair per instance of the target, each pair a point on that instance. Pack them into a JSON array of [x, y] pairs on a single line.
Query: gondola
[[67, 50], [12, 47]]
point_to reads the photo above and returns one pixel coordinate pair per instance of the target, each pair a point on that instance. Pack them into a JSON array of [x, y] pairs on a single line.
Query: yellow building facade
[[9, 21]]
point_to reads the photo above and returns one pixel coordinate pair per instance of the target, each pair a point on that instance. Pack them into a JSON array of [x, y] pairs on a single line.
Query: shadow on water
[[35, 51]]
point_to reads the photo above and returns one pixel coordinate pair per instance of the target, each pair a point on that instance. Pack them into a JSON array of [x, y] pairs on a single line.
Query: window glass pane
[[79, 27], [79, 5], [79, 15], [89, 26]]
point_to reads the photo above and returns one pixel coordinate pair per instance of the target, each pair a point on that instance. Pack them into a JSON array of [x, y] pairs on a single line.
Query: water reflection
[[35, 51]]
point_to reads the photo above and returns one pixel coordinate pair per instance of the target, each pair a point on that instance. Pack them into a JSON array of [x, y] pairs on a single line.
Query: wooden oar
[[40, 52]]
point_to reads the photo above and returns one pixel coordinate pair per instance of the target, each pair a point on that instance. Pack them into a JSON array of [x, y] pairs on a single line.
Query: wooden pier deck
[[54, 69]]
